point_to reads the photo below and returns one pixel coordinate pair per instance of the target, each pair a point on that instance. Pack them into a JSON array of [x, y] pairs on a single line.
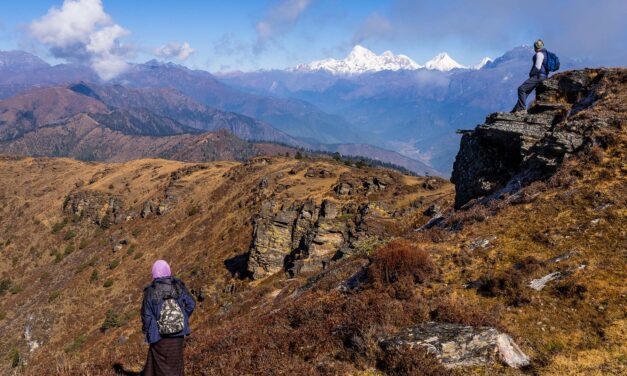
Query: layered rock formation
[[301, 237], [306, 235], [513, 149]]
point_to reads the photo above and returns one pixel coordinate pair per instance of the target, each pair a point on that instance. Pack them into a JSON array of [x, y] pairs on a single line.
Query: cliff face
[[513, 149]]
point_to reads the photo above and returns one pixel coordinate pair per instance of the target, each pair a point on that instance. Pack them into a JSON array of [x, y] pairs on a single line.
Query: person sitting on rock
[[165, 314], [539, 72]]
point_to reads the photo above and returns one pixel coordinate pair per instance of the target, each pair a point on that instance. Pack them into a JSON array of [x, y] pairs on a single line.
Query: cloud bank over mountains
[[80, 31], [178, 51]]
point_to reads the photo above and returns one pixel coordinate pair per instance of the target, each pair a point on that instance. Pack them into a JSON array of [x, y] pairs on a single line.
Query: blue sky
[[247, 35]]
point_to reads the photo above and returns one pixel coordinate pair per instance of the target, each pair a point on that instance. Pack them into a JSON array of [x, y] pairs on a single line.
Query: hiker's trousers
[[523, 91]]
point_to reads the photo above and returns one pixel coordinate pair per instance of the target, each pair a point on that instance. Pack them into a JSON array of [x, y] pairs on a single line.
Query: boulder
[[318, 173], [458, 345], [343, 188], [148, 208]]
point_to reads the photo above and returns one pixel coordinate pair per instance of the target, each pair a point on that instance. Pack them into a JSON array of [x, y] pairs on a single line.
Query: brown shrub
[[411, 361], [509, 285], [433, 235], [565, 177], [320, 332], [474, 214], [595, 155], [398, 259], [461, 311], [569, 289]]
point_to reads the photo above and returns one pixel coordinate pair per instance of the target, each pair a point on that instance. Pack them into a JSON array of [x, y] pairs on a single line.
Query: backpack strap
[[545, 61]]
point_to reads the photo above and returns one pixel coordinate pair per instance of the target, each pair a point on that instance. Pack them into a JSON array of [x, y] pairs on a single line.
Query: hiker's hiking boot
[[519, 110]]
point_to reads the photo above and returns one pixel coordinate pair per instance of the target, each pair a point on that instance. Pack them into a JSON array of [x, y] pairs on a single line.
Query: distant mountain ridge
[[64, 121], [173, 104], [414, 112]]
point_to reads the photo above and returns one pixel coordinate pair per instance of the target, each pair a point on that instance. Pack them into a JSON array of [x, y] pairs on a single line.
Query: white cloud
[[104, 49], [179, 51], [82, 31], [279, 19]]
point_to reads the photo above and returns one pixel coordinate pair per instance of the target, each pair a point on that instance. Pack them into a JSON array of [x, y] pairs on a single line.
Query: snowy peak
[[361, 54], [361, 60], [482, 63], [444, 63]]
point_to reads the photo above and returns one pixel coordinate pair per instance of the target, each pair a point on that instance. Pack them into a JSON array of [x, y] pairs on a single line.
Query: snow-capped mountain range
[[362, 60]]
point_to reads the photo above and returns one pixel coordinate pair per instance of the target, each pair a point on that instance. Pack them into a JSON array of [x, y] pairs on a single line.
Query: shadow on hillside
[[119, 370], [237, 266]]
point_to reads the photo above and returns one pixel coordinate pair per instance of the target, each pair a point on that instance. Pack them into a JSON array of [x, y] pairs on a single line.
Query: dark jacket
[[543, 72], [153, 301]]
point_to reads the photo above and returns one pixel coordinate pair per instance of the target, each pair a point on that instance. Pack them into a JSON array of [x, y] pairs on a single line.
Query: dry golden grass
[[224, 197]]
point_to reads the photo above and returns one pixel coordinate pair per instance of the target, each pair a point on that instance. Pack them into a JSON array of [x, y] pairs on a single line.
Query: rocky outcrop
[[303, 236], [513, 149], [100, 208], [458, 345], [348, 185]]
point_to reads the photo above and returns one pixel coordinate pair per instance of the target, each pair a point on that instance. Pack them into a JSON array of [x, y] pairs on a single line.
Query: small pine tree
[[105, 222], [298, 155], [94, 276], [112, 320], [14, 356]]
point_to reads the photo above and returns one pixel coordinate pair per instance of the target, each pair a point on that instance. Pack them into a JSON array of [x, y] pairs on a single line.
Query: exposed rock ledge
[[513, 149]]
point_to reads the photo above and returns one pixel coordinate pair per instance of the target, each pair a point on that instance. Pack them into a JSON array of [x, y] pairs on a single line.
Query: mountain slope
[[85, 138], [39, 107], [59, 122], [294, 117], [15, 61], [172, 104]]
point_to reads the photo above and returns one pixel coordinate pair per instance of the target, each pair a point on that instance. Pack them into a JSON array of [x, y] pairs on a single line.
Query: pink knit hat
[[160, 269]]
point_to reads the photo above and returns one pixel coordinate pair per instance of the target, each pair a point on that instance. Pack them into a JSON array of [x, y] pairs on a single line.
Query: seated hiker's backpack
[[171, 320], [552, 62]]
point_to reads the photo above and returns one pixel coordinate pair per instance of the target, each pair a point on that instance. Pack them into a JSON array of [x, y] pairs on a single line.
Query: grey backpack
[[171, 320]]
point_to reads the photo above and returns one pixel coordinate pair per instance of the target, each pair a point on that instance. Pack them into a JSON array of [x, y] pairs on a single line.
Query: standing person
[[539, 72], [166, 309]]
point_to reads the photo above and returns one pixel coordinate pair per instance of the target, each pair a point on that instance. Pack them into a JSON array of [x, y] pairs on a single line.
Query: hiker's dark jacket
[[539, 70], [153, 301]]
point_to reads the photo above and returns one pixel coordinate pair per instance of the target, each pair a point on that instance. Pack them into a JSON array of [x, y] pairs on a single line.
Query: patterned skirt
[[165, 358]]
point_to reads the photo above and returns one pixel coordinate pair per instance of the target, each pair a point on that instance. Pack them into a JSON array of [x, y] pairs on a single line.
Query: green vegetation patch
[[77, 344], [57, 227]]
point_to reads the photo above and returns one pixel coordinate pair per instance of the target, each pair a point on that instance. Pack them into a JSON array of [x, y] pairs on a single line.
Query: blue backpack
[[552, 62]]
